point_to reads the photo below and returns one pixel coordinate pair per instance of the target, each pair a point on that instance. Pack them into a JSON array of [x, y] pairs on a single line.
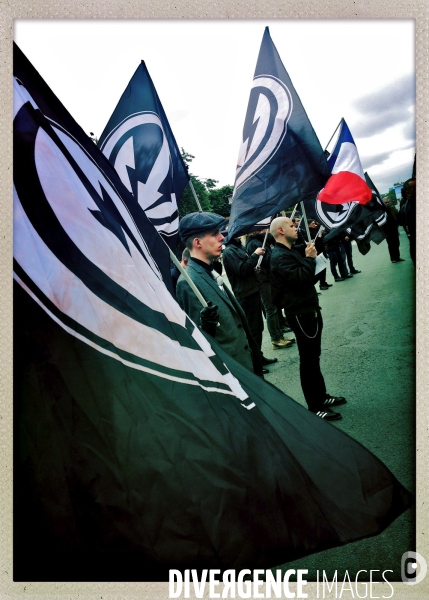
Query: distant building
[[397, 187]]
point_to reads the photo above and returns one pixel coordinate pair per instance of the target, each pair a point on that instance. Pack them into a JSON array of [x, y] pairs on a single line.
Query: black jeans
[[338, 258], [392, 239], [271, 312], [349, 254], [308, 333]]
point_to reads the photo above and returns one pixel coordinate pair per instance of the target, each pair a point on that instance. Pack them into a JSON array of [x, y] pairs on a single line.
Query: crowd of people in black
[[273, 276]]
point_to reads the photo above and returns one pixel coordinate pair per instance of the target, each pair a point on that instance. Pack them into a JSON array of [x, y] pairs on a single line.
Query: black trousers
[[271, 312], [308, 333], [392, 239], [349, 254], [252, 308]]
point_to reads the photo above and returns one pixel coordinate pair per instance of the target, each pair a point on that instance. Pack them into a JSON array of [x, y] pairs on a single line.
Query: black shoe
[[399, 260], [327, 414], [339, 278], [324, 287], [348, 276], [355, 271], [268, 361], [264, 371], [333, 401]]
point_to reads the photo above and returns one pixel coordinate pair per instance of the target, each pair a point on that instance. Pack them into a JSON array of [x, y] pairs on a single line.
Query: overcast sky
[[362, 70]]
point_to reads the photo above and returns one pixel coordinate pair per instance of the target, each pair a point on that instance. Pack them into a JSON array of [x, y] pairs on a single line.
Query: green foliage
[[219, 200], [210, 183], [210, 198], [187, 158], [392, 197], [188, 203]]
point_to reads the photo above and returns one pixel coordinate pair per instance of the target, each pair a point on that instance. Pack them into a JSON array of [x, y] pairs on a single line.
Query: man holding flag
[[224, 319], [293, 279]]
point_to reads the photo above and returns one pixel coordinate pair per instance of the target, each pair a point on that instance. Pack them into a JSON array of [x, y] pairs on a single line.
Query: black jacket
[[256, 241], [292, 280], [240, 269]]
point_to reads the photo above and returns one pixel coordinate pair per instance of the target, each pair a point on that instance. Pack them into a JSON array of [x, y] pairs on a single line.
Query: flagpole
[[306, 222], [186, 276], [195, 196], [342, 119], [261, 256], [294, 211]]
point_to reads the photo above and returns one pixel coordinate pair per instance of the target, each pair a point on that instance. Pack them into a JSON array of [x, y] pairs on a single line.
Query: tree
[[219, 200], [210, 183], [188, 203], [187, 158], [392, 197], [210, 198]]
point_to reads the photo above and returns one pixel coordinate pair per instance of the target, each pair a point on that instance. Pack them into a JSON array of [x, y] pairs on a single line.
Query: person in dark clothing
[[293, 278], [246, 285], [301, 242], [347, 252], [314, 228], [223, 318], [407, 213], [256, 240], [174, 271], [337, 259], [392, 233]]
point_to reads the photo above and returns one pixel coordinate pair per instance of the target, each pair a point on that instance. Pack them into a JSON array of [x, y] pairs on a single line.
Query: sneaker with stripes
[[328, 415], [333, 401]]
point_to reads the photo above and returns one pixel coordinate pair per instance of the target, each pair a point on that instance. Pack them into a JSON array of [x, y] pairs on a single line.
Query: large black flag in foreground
[[140, 144], [138, 444], [281, 161]]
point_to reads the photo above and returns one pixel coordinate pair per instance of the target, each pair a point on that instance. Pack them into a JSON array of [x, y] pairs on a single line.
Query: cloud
[[385, 177], [381, 158], [409, 132], [376, 159], [386, 108], [178, 115]]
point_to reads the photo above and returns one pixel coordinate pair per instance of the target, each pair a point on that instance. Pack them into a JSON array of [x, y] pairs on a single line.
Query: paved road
[[368, 356]]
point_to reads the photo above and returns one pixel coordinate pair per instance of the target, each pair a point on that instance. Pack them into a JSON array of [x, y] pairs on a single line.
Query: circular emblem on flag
[[269, 110], [334, 215], [138, 149]]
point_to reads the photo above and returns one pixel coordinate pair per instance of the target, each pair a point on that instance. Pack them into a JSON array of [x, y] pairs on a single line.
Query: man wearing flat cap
[[224, 318]]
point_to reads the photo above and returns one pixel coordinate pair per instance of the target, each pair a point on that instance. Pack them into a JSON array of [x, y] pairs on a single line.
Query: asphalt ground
[[368, 356]]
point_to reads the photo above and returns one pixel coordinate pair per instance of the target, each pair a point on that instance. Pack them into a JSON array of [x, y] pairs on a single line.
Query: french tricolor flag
[[347, 182]]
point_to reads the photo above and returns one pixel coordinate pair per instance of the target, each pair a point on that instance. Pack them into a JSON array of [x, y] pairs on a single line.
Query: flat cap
[[200, 222]]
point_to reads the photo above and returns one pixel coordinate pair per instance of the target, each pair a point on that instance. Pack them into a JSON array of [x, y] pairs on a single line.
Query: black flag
[[140, 144], [281, 161]]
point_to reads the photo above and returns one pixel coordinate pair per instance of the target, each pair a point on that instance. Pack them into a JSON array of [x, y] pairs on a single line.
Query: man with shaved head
[[293, 279]]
